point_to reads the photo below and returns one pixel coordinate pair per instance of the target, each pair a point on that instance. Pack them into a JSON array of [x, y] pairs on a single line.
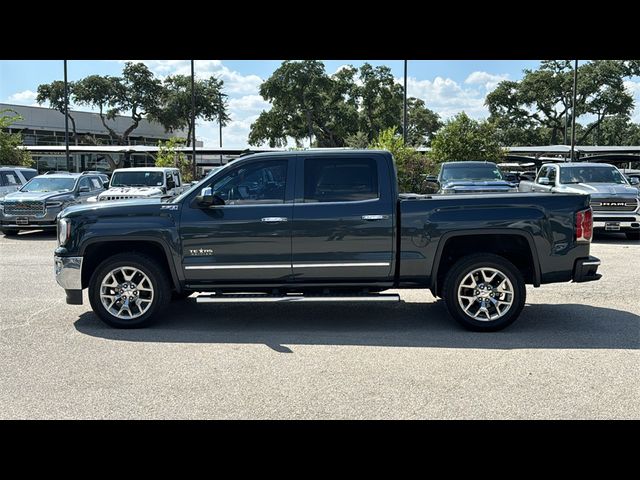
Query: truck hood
[[132, 192], [601, 189], [21, 196], [477, 185], [119, 208]]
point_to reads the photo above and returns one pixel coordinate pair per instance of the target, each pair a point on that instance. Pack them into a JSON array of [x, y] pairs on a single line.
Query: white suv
[[12, 178]]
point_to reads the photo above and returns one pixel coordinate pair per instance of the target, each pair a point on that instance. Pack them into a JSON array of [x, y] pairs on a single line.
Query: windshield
[[591, 175], [197, 186], [137, 179], [44, 184], [488, 172]]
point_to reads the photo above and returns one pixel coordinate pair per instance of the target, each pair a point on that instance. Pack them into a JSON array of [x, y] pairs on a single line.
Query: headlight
[[55, 203], [64, 231]]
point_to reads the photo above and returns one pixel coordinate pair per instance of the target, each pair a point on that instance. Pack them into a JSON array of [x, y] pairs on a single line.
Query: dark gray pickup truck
[[317, 226]]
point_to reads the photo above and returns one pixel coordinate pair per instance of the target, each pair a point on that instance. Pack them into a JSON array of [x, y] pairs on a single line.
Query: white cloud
[[633, 87], [447, 97], [26, 97], [488, 80]]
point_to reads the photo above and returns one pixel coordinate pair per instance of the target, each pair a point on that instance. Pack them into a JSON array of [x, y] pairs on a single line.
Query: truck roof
[[316, 151], [579, 164], [465, 163], [145, 169]]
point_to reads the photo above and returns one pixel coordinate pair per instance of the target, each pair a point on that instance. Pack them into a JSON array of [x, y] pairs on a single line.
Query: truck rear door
[[343, 218]]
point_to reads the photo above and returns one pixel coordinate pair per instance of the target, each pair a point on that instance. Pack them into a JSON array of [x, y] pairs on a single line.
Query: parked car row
[[35, 204]]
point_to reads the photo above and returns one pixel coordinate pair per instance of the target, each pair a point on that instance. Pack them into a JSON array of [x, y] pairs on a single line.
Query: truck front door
[[343, 219], [248, 238]]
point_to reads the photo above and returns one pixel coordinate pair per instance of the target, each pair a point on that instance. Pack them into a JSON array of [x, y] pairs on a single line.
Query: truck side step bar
[[251, 298]]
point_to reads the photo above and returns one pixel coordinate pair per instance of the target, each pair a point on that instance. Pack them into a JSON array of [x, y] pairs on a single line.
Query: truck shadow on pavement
[[401, 325], [613, 239]]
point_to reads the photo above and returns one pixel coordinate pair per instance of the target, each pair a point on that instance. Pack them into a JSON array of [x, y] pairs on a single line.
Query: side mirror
[[171, 184], [544, 181], [431, 178], [208, 199], [105, 185], [634, 181], [84, 190]]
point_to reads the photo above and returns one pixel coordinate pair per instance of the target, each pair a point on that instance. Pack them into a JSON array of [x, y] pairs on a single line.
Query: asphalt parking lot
[[573, 354]]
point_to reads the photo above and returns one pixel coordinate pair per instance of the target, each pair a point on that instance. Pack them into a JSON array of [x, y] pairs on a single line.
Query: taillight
[[584, 225]]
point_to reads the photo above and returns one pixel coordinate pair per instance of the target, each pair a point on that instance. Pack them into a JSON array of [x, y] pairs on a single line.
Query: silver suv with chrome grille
[[37, 203], [614, 200]]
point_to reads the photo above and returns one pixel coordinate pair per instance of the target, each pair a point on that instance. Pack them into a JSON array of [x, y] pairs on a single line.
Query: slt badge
[[200, 251]]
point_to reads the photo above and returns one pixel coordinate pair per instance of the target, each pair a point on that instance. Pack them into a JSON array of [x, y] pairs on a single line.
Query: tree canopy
[[348, 108], [10, 151], [535, 110], [137, 93], [462, 138]]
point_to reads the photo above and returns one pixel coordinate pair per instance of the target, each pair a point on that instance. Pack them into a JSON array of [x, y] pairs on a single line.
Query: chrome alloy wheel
[[126, 292], [485, 294]]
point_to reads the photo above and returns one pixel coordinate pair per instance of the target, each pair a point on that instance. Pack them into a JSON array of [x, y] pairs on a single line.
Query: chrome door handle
[[375, 217], [274, 219]]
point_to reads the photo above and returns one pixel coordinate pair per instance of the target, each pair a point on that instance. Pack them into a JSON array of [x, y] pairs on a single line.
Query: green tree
[[135, 93], [10, 143], [615, 130], [173, 110], [169, 156], [348, 108], [462, 138], [538, 106], [412, 166], [422, 123], [54, 94], [306, 103]]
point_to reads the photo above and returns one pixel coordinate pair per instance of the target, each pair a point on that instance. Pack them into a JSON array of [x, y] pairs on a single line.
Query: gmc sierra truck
[[318, 226]]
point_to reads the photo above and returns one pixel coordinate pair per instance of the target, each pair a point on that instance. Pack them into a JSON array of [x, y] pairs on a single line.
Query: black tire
[[633, 235], [157, 277], [183, 295], [10, 232], [466, 265]]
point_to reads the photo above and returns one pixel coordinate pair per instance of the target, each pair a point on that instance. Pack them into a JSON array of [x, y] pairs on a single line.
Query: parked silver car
[[37, 203], [12, 178], [614, 200]]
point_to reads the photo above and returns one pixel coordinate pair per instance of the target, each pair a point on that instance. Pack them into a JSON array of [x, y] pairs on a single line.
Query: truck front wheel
[[127, 290], [484, 292]]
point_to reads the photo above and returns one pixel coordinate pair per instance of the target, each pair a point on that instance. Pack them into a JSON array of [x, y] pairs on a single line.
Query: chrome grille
[[614, 205], [24, 207], [119, 197]]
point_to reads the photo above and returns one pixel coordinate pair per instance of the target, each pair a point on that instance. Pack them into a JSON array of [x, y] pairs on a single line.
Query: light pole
[[404, 111], [66, 114], [573, 111], [193, 120]]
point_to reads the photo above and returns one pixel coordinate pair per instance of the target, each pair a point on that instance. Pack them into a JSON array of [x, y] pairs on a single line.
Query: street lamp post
[[404, 111], [193, 120], [66, 114], [573, 111]]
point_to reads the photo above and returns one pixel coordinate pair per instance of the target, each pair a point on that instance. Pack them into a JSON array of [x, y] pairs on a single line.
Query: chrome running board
[[251, 298]]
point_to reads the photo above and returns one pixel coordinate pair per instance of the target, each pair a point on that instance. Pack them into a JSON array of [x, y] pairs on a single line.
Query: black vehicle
[[472, 177], [321, 226], [37, 203]]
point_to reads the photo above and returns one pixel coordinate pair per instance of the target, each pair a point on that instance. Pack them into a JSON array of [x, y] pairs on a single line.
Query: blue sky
[[447, 87]]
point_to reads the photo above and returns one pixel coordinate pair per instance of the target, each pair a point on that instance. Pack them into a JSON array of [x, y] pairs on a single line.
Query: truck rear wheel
[[484, 292], [128, 290]]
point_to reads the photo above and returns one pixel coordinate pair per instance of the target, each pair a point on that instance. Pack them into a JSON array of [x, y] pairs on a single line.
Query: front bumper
[[585, 270], [629, 221], [45, 220], [68, 271]]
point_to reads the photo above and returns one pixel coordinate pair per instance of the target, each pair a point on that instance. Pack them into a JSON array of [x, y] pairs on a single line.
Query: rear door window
[[340, 180], [9, 179]]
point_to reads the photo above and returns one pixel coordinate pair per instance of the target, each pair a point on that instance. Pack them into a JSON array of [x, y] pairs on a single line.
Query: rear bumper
[[585, 270]]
